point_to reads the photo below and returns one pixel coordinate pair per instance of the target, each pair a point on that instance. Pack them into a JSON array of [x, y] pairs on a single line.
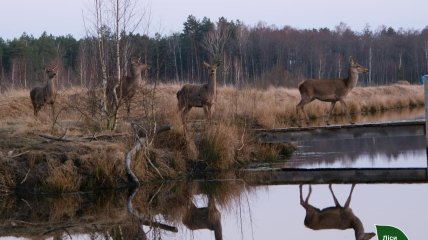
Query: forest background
[[258, 56]]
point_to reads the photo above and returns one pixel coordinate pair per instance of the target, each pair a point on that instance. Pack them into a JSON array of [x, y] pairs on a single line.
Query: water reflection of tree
[[349, 150], [161, 208]]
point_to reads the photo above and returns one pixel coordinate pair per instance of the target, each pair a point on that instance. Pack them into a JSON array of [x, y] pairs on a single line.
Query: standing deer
[[202, 96], [45, 94], [130, 84], [329, 90], [336, 217], [204, 218]]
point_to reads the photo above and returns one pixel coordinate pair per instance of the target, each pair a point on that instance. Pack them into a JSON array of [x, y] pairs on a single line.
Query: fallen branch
[[136, 148], [143, 219], [17, 155], [61, 139], [84, 138], [104, 136]]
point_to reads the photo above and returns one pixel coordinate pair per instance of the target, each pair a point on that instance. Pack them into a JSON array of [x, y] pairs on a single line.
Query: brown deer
[[202, 96], [204, 218], [130, 84], [329, 90], [336, 217], [45, 94]]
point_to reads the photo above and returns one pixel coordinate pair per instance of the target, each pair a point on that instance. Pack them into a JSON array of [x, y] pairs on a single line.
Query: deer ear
[[351, 60], [206, 64]]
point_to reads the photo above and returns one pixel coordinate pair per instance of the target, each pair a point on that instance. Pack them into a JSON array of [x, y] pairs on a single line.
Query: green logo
[[390, 233]]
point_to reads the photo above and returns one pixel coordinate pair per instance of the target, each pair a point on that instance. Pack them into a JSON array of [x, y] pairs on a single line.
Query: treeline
[[260, 55]]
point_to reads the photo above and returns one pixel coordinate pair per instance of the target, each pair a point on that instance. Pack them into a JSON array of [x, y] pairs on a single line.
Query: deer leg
[[184, 113], [329, 112], [348, 201], [53, 111], [301, 106], [207, 111], [334, 196], [347, 111]]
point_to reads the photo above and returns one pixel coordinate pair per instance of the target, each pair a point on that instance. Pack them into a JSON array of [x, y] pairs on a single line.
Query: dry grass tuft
[[217, 146], [103, 166], [62, 177]]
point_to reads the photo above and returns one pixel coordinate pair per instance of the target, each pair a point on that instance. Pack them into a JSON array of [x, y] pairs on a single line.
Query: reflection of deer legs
[[336, 217], [348, 201], [204, 218], [305, 203]]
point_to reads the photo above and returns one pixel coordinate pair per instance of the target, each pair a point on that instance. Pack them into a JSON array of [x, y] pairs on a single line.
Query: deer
[[129, 84], [204, 218], [201, 96], [45, 94], [336, 217], [330, 90]]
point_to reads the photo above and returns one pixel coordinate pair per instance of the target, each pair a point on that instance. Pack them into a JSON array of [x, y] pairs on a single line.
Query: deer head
[[51, 71], [137, 66], [212, 68], [357, 68]]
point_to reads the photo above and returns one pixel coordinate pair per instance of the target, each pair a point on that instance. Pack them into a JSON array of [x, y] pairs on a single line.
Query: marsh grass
[[217, 146], [62, 177], [225, 143]]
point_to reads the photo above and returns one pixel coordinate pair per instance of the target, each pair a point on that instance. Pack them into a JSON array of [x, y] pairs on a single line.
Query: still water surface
[[236, 209], [264, 212]]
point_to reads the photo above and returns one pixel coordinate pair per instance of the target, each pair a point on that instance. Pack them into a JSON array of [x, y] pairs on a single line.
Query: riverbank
[[73, 152]]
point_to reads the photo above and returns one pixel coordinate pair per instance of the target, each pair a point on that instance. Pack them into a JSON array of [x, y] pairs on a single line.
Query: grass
[[227, 143]]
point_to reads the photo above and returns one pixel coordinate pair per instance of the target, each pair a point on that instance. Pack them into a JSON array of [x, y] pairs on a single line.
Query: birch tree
[[124, 17]]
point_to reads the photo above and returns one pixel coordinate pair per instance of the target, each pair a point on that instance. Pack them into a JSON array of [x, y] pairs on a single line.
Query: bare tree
[[124, 17]]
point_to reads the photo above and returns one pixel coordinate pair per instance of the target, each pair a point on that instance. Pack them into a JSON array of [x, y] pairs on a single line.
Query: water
[[405, 150], [391, 152], [258, 212], [236, 209]]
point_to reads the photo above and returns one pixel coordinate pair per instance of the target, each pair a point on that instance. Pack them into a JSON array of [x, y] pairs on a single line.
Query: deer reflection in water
[[336, 217], [204, 218]]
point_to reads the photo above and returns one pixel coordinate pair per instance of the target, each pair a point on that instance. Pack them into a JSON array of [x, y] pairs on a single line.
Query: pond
[[238, 206], [231, 210]]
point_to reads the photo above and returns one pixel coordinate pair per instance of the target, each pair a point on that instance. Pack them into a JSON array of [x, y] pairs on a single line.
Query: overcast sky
[[61, 17]]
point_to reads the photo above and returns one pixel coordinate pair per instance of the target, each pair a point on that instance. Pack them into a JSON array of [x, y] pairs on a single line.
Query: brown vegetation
[[72, 151], [168, 207]]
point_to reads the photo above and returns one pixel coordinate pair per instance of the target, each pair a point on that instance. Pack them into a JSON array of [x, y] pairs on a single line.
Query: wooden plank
[[370, 130], [323, 176]]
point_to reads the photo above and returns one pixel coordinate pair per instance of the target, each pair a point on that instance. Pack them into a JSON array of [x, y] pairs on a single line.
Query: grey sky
[[61, 17]]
